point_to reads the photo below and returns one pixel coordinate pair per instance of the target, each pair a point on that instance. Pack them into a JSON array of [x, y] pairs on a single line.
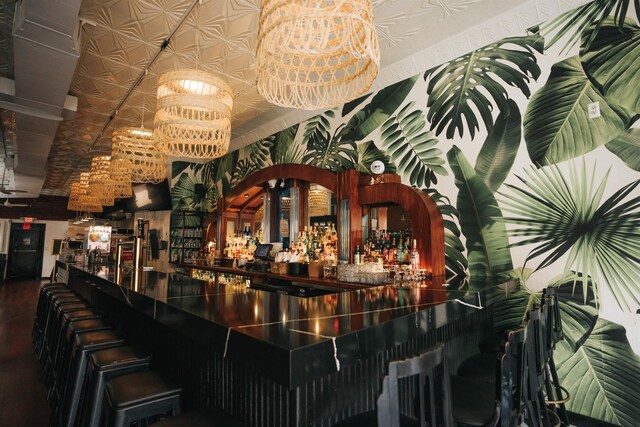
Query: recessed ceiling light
[[246, 196]]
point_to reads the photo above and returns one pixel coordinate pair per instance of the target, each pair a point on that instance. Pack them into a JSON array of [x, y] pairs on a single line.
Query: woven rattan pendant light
[[193, 116], [74, 197], [100, 182], [316, 53], [87, 201], [134, 153]]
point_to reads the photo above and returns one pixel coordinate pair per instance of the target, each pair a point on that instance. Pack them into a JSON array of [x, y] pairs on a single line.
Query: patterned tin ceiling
[[119, 38]]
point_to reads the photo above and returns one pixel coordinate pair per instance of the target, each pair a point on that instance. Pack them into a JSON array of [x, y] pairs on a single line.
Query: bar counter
[[271, 359]]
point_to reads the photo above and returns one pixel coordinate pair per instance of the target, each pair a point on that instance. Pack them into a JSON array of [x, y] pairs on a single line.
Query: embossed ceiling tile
[[206, 23]]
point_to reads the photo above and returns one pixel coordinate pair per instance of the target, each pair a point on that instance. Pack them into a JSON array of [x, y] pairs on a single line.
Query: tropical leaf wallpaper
[[532, 184]]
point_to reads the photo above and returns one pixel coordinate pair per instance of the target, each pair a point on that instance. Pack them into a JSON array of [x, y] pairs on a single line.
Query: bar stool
[[104, 365], [138, 396], [58, 302], [65, 355], [37, 326], [68, 318], [50, 296], [205, 417], [71, 389]]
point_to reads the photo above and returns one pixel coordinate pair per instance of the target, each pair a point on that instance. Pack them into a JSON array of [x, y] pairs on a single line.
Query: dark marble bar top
[[293, 340]]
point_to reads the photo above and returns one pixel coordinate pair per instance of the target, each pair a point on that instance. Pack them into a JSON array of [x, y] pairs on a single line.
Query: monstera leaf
[[284, 148], [259, 153], [375, 113], [317, 129], [369, 153], [412, 148], [477, 81], [613, 60], [334, 153], [456, 262], [487, 245], [577, 21], [627, 147], [556, 125], [564, 215], [501, 147], [602, 375], [223, 169]]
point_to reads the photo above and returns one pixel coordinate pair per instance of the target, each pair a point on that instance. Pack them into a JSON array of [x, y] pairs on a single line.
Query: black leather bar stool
[[103, 366], [206, 417], [84, 344], [138, 396], [62, 370], [50, 297], [57, 303], [40, 308], [68, 317]]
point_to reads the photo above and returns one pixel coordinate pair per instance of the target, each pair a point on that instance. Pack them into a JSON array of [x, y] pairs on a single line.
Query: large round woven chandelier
[[134, 154], [193, 116], [316, 53]]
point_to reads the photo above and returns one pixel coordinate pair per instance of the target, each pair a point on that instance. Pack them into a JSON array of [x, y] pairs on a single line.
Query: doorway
[[26, 251]]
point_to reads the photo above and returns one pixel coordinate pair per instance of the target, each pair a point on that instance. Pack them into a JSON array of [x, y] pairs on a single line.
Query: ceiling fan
[[8, 204]]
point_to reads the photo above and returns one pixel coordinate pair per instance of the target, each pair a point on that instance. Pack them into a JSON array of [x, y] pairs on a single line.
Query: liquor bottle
[[356, 256], [400, 252], [415, 256]]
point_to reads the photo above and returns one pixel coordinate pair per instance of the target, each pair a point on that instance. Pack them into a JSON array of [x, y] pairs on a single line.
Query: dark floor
[[22, 399]]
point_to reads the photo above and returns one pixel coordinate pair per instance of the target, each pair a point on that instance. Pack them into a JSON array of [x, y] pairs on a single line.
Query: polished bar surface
[[298, 343]]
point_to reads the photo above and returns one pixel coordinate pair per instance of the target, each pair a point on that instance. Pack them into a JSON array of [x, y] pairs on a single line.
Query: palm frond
[[565, 216]]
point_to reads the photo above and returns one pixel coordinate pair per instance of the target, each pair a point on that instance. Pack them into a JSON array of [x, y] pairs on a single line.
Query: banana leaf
[[500, 148], [556, 124], [477, 82], [602, 375], [317, 129], [627, 147], [375, 113], [412, 148], [486, 237], [613, 60]]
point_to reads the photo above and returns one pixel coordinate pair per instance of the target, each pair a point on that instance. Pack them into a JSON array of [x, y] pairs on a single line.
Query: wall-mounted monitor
[[147, 197]]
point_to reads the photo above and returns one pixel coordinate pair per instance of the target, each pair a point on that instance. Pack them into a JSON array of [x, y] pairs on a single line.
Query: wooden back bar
[[426, 220]]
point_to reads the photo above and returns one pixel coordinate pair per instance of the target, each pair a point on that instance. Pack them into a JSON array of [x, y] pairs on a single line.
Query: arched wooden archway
[[324, 177], [425, 216]]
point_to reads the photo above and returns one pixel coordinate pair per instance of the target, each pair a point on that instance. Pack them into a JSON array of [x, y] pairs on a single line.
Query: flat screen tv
[[148, 197]]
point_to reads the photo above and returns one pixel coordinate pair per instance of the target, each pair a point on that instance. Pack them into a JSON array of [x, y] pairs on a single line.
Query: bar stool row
[[92, 377]]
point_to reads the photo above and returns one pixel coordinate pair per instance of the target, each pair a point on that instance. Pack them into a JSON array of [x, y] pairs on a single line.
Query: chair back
[[424, 366], [512, 381], [550, 298], [536, 367]]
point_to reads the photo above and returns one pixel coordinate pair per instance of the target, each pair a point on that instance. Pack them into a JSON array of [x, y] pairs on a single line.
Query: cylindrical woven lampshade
[[316, 53], [74, 197], [319, 203], [193, 118], [100, 182], [134, 152], [87, 201]]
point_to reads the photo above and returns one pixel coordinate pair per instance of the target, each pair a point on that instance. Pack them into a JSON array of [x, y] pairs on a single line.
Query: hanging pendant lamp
[[316, 54], [74, 197], [134, 153], [100, 182], [87, 200], [193, 116]]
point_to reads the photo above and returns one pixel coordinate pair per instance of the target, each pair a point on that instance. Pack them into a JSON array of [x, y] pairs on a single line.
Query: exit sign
[[28, 219], [26, 226]]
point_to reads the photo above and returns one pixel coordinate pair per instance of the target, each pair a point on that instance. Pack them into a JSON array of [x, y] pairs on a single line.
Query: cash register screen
[[262, 251]]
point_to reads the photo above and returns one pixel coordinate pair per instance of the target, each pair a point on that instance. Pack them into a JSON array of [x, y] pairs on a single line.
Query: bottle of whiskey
[[356, 256]]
